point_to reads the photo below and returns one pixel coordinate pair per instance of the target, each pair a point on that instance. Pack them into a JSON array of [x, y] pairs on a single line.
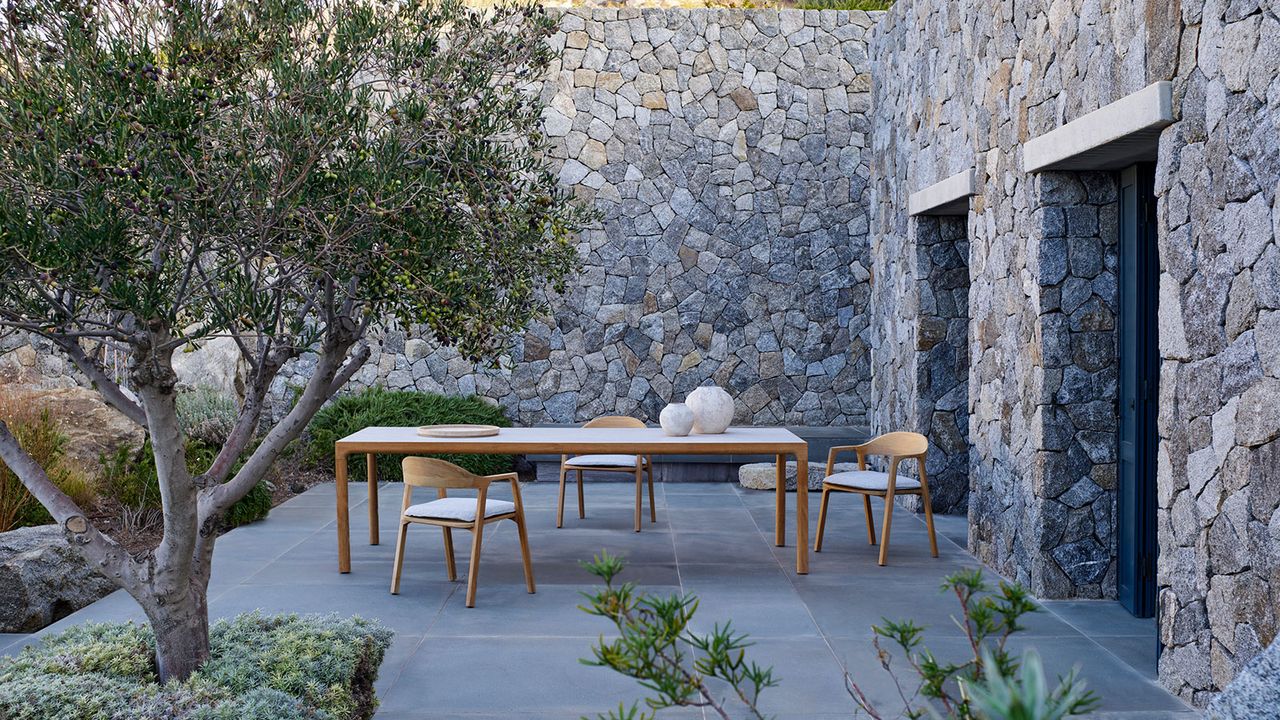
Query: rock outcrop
[[215, 363], [92, 427], [42, 579]]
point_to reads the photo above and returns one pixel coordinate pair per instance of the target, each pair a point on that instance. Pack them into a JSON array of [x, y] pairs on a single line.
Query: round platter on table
[[458, 431]]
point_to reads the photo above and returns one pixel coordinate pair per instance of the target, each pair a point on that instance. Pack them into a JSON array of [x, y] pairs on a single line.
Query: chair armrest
[[837, 449], [514, 479]]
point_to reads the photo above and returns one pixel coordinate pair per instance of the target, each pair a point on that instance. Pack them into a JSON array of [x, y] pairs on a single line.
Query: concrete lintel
[[946, 197], [1109, 138]]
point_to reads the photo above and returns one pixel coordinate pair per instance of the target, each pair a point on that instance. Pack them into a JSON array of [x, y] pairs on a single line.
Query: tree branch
[[350, 367], [107, 387], [266, 369], [98, 549], [155, 378], [216, 500]]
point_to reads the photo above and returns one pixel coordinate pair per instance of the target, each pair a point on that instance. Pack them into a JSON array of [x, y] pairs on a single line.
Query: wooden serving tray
[[458, 431]]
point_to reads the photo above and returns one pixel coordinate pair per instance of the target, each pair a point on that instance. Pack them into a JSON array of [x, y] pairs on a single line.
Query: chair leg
[[395, 569], [524, 554], [653, 508], [449, 563], [473, 571], [582, 504], [871, 520], [928, 521], [822, 520], [639, 494], [884, 531], [560, 506]]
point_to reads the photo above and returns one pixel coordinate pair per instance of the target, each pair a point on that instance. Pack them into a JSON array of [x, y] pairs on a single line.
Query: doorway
[[1139, 357]]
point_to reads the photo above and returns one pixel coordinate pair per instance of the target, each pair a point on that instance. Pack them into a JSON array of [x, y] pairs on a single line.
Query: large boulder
[[764, 476], [1255, 692], [92, 427], [42, 579], [215, 362]]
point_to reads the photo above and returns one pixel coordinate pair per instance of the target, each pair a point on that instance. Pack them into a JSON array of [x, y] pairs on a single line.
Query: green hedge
[[284, 667], [381, 407]]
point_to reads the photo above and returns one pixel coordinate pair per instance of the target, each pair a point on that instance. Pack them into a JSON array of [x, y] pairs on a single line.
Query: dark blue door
[[1139, 373]]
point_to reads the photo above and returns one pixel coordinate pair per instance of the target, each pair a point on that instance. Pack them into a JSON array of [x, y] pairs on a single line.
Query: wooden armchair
[[897, 446], [464, 513], [629, 464]]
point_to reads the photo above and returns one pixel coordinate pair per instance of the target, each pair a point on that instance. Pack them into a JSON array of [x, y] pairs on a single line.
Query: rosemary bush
[[652, 635], [266, 667], [207, 414], [993, 684]]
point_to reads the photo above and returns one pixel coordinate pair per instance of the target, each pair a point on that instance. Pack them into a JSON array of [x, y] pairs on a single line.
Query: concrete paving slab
[[516, 655]]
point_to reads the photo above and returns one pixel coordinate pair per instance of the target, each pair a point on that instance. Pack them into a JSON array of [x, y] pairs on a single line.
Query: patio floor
[[516, 655]]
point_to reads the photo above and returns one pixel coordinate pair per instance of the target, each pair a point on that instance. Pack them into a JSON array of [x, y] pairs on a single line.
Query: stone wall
[[1219, 457], [1078, 367], [962, 81], [727, 152], [920, 136], [942, 370]]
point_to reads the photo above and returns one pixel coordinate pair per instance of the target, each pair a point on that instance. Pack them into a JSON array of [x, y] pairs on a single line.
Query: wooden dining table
[[776, 441]]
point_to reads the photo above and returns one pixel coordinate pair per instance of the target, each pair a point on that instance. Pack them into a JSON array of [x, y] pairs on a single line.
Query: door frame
[[1137, 344]]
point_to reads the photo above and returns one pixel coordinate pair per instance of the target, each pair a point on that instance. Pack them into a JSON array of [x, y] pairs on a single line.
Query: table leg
[[780, 503], [371, 474], [802, 512], [344, 520]]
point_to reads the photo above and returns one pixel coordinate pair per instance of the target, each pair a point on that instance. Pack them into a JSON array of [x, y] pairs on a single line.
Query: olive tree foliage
[[286, 173]]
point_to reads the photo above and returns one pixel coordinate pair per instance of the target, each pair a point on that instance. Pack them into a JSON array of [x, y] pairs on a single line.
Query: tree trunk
[[182, 634]]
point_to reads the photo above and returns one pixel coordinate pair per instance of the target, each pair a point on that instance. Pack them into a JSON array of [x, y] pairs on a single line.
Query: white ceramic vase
[[712, 409], [676, 419]]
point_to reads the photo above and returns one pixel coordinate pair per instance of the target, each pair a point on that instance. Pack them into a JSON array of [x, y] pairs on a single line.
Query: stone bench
[[763, 476]]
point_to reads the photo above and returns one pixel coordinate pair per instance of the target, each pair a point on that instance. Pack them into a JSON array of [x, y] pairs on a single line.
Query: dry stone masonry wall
[[1219, 457], [919, 306], [942, 371], [727, 152], [1077, 414], [963, 81]]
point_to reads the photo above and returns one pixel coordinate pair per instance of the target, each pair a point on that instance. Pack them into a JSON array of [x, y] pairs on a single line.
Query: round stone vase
[[712, 410], [676, 419]]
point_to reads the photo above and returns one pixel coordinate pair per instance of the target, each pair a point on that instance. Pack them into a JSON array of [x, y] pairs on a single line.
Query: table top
[[575, 440]]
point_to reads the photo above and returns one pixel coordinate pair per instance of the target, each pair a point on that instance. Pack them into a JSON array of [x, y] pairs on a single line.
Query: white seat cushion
[[462, 509], [871, 480], [627, 461]]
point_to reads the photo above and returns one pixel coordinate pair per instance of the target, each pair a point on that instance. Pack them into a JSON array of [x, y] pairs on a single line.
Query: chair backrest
[[897, 443], [614, 421], [436, 473]]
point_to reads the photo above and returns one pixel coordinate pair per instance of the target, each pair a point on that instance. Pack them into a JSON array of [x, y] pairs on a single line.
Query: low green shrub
[[254, 506], [991, 683], [381, 407], [130, 477], [285, 667]]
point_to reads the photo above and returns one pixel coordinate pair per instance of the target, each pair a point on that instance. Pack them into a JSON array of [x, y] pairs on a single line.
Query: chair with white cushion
[[897, 446], [465, 513], [629, 464]]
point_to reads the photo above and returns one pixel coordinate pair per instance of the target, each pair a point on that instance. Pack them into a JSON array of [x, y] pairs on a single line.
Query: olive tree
[[285, 173]]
